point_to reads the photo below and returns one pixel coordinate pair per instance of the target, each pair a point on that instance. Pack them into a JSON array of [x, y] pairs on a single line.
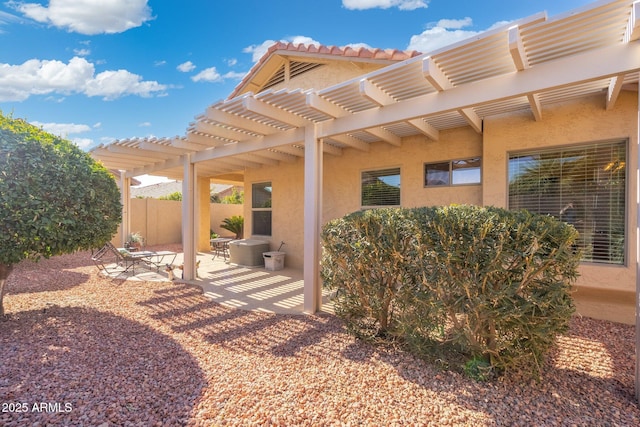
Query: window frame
[[255, 210], [451, 172], [381, 169], [625, 143]]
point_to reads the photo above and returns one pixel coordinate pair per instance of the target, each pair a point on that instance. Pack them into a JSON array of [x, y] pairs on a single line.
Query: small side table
[[220, 247]]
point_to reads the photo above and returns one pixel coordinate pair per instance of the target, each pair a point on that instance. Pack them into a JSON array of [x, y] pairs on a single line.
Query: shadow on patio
[[246, 288]]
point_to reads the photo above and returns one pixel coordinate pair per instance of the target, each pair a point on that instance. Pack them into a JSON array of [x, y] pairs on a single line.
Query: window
[[455, 172], [584, 186], [381, 187], [261, 208]]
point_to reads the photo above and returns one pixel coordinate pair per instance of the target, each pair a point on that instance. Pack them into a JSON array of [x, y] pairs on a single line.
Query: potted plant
[[134, 241]]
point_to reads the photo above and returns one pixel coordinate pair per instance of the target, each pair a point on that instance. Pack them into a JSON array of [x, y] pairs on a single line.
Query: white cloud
[[97, 125], [232, 75], [231, 62], [82, 52], [159, 63], [114, 84], [62, 130], [454, 24], [83, 142], [385, 4], [43, 77], [258, 51], [6, 19], [89, 16], [207, 75], [185, 67], [145, 124], [445, 32]]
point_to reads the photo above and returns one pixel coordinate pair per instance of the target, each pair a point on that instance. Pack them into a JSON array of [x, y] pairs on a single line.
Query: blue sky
[[94, 71]]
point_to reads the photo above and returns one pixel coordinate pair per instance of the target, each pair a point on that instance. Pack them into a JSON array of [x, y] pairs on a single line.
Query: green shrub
[[495, 283], [235, 224], [366, 260], [483, 283]]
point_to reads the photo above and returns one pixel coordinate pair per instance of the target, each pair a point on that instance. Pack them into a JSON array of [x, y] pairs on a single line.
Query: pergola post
[[125, 194], [637, 370], [189, 218], [312, 219]]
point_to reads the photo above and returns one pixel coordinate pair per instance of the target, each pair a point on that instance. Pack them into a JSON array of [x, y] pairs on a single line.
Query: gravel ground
[[78, 349]]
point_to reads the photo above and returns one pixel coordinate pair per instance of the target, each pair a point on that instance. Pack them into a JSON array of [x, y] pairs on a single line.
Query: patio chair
[[109, 254]]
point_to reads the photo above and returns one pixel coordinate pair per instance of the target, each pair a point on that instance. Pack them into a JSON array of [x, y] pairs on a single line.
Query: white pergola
[[525, 65]]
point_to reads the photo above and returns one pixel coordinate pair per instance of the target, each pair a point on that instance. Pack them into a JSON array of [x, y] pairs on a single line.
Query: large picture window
[[381, 188], [261, 208], [584, 186]]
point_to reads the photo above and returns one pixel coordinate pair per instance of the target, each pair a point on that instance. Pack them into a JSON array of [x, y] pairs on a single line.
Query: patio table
[[220, 247]]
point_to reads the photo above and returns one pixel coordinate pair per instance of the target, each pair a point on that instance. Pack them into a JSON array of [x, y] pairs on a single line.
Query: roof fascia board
[[593, 65]]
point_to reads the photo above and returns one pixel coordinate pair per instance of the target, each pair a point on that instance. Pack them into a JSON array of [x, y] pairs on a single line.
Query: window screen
[[381, 187], [583, 186]]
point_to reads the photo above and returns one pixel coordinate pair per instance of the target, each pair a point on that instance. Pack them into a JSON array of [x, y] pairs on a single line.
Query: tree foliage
[[177, 196], [235, 224], [54, 198]]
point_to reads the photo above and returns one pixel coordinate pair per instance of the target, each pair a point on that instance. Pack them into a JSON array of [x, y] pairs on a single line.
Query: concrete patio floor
[[246, 288]]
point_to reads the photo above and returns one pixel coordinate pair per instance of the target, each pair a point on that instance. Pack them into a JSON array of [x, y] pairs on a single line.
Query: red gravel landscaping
[[80, 349]]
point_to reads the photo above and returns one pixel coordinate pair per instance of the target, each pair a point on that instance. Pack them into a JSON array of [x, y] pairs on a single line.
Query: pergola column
[[125, 195], [637, 171], [312, 219], [189, 217]]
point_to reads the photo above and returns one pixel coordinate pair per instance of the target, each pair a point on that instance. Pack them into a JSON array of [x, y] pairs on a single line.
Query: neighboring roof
[[269, 69], [162, 189], [525, 66]]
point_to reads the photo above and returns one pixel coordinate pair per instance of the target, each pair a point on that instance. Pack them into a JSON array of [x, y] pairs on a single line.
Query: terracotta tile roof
[[390, 55]]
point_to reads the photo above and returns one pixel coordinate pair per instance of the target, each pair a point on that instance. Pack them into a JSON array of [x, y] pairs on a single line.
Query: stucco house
[[541, 114]]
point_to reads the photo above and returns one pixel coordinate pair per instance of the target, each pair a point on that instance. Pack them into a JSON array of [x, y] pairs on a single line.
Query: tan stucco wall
[[287, 206], [160, 221], [221, 211], [568, 123], [341, 182]]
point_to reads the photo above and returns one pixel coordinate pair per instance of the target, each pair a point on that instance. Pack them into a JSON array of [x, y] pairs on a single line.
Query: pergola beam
[[320, 104], [615, 86], [239, 122], [633, 27], [385, 135], [274, 141], [271, 111], [206, 139], [351, 142], [584, 67], [425, 128], [374, 94], [172, 151]]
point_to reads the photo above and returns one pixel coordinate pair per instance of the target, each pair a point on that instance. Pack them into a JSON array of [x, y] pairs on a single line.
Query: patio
[[246, 288]]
